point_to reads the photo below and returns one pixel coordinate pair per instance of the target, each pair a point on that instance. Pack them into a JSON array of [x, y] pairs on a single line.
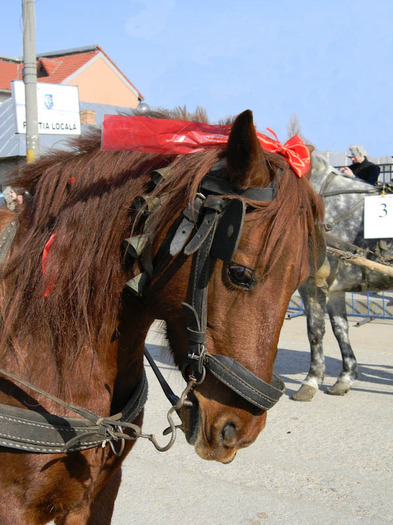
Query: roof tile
[[9, 71], [54, 67], [65, 66], [58, 69]]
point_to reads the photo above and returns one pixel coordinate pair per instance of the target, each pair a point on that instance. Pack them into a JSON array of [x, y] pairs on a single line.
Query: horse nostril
[[228, 433]]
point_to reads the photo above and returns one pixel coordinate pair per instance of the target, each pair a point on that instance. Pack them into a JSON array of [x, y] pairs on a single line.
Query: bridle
[[217, 223], [215, 219]]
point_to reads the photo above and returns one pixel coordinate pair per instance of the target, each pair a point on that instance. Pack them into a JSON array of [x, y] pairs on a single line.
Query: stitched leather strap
[[244, 382], [25, 429]]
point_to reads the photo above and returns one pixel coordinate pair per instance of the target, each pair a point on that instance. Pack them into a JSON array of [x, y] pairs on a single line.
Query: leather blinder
[[229, 230]]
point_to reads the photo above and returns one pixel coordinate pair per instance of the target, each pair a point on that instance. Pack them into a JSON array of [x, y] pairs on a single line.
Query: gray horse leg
[[338, 318], [314, 300]]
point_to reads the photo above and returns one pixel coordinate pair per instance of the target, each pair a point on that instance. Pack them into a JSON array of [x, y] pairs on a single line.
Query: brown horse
[[73, 332]]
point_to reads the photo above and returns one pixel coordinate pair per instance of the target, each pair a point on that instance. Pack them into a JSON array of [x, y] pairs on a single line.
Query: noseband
[[217, 223]]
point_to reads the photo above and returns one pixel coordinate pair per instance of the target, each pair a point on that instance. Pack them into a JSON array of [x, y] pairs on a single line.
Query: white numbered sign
[[378, 217]]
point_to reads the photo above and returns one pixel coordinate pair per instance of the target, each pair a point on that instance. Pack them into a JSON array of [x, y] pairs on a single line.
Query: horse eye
[[241, 275]]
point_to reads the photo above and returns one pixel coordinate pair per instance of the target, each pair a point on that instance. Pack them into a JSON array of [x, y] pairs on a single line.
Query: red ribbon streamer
[[167, 136], [47, 246]]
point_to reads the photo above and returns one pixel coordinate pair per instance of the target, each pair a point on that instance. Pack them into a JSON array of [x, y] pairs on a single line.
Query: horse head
[[223, 290], [227, 236]]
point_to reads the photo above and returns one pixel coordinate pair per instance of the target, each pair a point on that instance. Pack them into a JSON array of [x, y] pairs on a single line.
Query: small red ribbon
[[47, 247], [167, 136]]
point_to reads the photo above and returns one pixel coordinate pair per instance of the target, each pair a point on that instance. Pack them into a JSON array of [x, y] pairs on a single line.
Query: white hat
[[356, 151]]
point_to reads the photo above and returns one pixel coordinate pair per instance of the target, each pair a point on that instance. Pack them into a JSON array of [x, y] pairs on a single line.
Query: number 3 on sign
[[384, 210], [378, 217]]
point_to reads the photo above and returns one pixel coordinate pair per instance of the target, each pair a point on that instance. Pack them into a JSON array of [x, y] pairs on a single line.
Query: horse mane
[[82, 199]]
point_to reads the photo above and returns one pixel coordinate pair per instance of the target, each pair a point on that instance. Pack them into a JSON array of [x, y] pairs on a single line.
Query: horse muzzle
[[218, 431]]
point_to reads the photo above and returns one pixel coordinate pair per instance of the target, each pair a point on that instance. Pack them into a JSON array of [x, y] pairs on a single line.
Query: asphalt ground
[[320, 463]]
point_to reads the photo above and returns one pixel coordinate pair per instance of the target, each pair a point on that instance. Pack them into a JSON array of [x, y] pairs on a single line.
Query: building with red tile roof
[[98, 78], [102, 89]]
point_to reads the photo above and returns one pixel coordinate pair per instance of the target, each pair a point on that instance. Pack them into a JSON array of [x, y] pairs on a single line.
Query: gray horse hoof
[[339, 389], [305, 393]]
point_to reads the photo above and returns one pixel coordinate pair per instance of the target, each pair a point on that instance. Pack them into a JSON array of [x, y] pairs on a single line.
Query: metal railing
[[364, 305]]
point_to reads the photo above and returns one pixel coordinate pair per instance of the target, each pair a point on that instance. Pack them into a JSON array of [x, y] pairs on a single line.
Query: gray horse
[[344, 208]]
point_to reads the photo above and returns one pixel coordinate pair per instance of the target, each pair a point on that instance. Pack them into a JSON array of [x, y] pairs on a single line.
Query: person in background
[[15, 198], [361, 167]]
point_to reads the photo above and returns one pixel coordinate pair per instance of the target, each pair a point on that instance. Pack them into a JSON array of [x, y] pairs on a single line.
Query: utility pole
[[30, 80]]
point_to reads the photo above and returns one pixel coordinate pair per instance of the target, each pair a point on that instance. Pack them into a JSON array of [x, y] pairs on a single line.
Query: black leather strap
[[187, 223], [213, 184], [210, 216], [244, 382], [171, 396], [206, 227], [24, 429]]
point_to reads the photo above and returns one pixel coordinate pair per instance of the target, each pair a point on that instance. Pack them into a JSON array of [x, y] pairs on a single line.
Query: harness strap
[[339, 244], [229, 371], [204, 234], [370, 191], [331, 224], [171, 396], [218, 223], [187, 224], [224, 368], [25, 429], [218, 186]]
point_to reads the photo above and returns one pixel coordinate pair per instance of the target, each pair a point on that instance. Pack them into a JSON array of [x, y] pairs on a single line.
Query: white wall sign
[[378, 217], [57, 106]]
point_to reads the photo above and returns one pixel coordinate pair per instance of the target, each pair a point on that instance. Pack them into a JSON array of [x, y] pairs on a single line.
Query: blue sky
[[329, 63]]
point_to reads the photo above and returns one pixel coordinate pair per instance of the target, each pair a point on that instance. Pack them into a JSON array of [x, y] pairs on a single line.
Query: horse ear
[[246, 159]]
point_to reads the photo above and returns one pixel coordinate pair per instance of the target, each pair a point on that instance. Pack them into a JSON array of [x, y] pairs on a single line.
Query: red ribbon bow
[[294, 151], [166, 136]]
